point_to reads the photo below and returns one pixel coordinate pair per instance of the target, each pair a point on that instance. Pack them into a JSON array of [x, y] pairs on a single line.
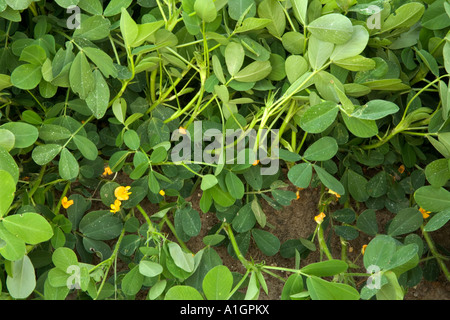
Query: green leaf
[[250, 24], [8, 164], [68, 165], [67, 3], [182, 259], [128, 27], [132, 140], [245, 219], [253, 72], [98, 98], [63, 258], [404, 17], [300, 9], [258, 212], [221, 197], [145, 31], [18, 4], [367, 222], [437, 172], [206, 10], [392, 290], [272, 9], [235, 185], [93, 28], [180, 292], [7, 139], [25, 134], [319, 51], [30, 227], [437, 221], [15, 247], [435, 17], [329, 181], [345, 215], [356, 63], [234, 57], [432, 199], [132, 281], [354, 46], [333, 27], [22, 281], [319, 117], [375, 109], [379, 251], [406, 221], [295, 66], [236, 8], [325, 268], [217, 283], [208, 181], [100, 225], [429, 61], [7, 192], [33, 54], [87, 148], [323, 149], [268, 243], [357, 185], [81, 78], [26, 76], [190, 219], [320, 289], [360, 127], [114, 7], [150, 268]]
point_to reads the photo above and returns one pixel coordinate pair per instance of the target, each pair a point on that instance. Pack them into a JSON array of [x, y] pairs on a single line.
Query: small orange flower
[[363, 249], [424, 213], [161, 192], [298, 192], [116, 206], [319, 218], [256, 162], [66, 203], [335, 193], [107, 171], [122, 193], [401, 169], [182, 130]]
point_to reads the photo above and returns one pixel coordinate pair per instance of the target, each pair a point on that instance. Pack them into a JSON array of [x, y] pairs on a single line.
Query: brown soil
[[297, 220]]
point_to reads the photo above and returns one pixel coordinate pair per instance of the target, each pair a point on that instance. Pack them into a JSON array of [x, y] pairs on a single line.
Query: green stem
[[109, 261], [323, 244], [174, 232], [435, 253], [238, 253]]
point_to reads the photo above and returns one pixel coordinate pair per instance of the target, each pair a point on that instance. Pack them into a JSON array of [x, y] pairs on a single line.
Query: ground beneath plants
[[297, 220]]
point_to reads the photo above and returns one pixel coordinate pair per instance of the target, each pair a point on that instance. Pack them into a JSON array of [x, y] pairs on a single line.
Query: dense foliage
[[95, 95]]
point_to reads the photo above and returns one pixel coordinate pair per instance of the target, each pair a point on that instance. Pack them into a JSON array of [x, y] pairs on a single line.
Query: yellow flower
[[161, 192], [401, 169], [66, 203], [256, 162], [363, 249], [182, 130], [319, 218], [298, 192], [335, 193], [122, 193], [424, 213], [107, 171], [116, 206]]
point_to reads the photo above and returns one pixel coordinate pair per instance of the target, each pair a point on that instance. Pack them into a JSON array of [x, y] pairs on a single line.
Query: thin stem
[[435, 253]]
